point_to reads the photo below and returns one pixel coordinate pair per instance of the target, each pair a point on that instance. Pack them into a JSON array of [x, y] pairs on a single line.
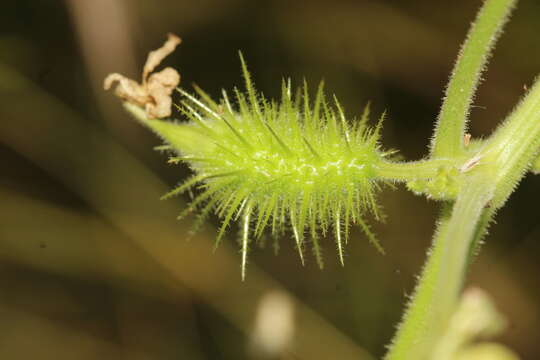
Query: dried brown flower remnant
[[154, 93]]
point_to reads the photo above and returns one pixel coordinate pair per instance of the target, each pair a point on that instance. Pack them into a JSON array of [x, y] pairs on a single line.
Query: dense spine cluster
[[274, 165]]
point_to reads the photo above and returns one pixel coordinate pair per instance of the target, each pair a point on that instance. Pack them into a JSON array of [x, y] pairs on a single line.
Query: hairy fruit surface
[[273, 165]]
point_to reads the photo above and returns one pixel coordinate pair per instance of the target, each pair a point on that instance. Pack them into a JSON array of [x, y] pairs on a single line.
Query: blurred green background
[[94, 266]]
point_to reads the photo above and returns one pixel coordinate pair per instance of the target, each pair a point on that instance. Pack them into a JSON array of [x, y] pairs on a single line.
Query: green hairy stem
[[492, 173], [474, 54]]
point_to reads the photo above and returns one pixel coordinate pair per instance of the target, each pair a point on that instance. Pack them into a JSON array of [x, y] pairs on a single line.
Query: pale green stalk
[[491, 174], [474, 54], [514, 147], [503, 162], [414, 170], [441, 280]]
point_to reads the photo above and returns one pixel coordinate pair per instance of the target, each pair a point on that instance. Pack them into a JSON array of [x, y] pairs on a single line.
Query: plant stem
[[515, 145], [437, 291], [450, 129], [413, 170], [504, 160]]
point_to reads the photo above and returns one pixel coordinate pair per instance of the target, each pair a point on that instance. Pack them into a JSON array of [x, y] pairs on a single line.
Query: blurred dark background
[[94, 266]]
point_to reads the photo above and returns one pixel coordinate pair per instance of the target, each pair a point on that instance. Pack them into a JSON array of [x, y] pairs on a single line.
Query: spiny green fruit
[[275, 165]]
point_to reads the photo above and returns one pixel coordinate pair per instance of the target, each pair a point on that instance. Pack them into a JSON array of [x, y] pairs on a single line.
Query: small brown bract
[[154, 93]]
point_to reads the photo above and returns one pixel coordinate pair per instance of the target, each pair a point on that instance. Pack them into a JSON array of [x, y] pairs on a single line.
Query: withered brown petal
[[154, 93], [156, 57], [127, 89]]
